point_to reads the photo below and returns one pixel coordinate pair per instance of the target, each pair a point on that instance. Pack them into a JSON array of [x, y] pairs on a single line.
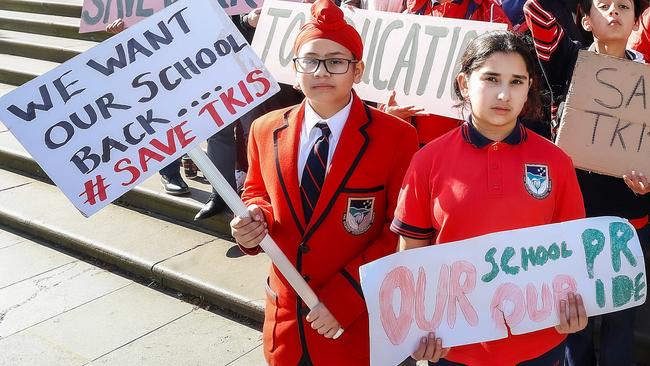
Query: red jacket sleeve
[[254, 188], [345, 284]]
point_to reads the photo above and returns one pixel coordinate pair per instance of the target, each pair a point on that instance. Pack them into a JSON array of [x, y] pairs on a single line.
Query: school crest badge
[[537, 181], [359, 215]]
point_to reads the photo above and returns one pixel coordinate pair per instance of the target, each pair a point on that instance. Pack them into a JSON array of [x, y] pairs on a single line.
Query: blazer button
[[306, 278], [304, 248]]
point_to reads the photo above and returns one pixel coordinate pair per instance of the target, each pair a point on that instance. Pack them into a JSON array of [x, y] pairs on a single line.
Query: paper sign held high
[[605, 126], [106, 120]]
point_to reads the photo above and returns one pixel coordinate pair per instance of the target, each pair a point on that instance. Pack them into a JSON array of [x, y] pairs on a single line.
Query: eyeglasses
[[309, 65]]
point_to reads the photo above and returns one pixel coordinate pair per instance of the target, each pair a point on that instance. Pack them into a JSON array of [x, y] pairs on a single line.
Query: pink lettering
[[458, 292], [562, 286], [397, 327], [513, 294], [441, 299], [538, 315]]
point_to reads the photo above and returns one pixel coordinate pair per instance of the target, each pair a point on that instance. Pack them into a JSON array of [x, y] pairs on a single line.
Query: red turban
[[327, 22]]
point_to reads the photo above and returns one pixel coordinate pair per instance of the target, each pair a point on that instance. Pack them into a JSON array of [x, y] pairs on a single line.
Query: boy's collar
[[335, 123], [437, 2], [631, 55]]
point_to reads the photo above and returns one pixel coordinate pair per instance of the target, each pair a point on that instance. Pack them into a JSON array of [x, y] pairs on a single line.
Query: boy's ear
[[359, 67], [586, 23]]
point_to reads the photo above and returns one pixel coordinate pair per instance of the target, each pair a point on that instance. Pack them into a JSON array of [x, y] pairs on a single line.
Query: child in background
[[470, 182], [611, 23], [640, 38]]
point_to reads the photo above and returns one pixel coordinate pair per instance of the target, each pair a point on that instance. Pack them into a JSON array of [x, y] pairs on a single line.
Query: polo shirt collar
[[474, 137], [436, 2]]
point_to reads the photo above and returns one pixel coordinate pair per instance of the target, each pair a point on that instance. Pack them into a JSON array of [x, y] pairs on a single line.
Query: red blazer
[[366, 172]]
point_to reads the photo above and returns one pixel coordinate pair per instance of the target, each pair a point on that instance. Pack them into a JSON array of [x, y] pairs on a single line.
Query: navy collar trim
[[472, 136], [436, 2]]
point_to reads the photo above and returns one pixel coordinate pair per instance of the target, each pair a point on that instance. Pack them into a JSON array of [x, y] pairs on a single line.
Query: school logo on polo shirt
[[359, 215], [537, 181]]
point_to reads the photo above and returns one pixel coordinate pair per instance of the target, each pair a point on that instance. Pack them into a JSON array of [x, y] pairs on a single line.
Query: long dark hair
[[481, 48]]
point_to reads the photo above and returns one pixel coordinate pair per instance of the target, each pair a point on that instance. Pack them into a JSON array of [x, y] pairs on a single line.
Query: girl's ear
[[586, 23], [463, 84]]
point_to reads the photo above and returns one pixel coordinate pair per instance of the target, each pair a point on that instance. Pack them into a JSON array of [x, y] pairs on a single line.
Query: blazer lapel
[[349, 149], [286, 140]]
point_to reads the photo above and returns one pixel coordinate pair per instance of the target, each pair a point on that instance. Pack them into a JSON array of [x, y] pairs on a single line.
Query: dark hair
[[481, 48], [639, 7]]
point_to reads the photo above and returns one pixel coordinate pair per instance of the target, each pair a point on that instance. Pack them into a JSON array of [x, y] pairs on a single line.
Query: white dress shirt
[[310, 133]]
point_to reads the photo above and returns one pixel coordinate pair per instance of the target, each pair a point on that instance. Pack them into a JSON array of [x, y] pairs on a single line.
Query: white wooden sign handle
[[237, 206]]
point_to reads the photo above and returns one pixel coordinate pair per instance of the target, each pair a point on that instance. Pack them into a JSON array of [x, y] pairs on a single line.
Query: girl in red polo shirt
[[470, 182]]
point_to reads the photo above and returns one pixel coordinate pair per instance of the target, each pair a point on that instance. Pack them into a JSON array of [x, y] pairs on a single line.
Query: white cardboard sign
[[415, 55], [109, 118], [464, 290]]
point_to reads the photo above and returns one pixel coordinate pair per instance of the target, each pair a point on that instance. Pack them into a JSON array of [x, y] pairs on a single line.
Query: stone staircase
[[146, 231]]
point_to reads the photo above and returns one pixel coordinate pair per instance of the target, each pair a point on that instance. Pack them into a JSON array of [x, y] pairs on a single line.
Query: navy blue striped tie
[[313, 175]]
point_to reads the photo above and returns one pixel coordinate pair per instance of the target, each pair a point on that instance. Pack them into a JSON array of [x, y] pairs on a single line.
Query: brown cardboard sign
[[605, 126]]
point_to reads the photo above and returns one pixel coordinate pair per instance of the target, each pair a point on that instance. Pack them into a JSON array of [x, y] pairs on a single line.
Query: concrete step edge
[[51, 28], [37, 51], [42, 7], [171, 279], [156, 204], [15, 77]]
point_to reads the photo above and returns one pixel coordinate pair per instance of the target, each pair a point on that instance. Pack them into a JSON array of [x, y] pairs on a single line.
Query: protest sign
[[415, 55], [604, 126], [464, 291], [97, 14], [109, 118]]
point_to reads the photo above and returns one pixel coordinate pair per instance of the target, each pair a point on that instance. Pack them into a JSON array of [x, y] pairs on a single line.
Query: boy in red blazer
[[323, 180]]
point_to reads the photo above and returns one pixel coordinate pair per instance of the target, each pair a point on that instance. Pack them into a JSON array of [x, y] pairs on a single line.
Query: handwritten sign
[[97, 14], [604, 126], [466, 290], [109, 118], [416, 56]]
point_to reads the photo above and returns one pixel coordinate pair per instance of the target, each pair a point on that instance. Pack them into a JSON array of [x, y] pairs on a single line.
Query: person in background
[[640, 38], [223, 146], [170, 176], [611, 22]]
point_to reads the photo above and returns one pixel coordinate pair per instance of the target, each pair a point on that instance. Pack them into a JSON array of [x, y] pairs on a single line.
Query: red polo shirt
[[464, 185]]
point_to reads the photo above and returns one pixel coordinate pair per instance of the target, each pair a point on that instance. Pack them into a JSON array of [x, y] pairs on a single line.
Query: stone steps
[[52, 25], [149, 197], [177, 257], [42, 47]]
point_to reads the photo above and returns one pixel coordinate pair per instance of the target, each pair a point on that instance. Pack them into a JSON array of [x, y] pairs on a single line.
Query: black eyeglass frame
[[324, 62]]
